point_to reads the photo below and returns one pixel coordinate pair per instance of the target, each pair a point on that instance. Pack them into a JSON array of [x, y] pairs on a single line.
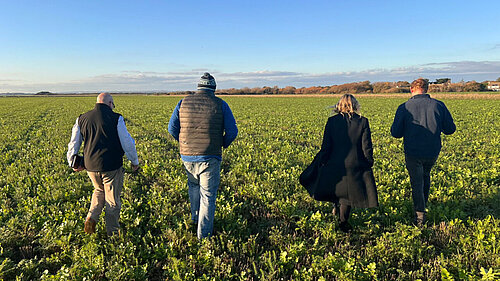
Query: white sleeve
[[75, 142], [127, 142]]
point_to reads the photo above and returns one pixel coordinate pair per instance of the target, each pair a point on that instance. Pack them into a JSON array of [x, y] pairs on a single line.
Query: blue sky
[[65, 46]]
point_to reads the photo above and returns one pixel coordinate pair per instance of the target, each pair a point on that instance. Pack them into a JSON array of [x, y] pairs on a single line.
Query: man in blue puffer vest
[[203, 124]]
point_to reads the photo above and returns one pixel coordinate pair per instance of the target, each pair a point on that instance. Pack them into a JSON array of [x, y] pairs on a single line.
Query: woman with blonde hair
[[345, 163]]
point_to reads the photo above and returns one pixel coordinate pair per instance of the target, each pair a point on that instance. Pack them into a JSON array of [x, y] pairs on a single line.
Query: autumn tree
[[312, 90], [267, 90], [436, 88], [443, 80], [474, 86], [353, 88], [403, 84], [288, 90], [456, 87], [382, 87]]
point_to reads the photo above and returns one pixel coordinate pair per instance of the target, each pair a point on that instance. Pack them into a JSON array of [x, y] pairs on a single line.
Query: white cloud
[[466, 70], [134, 80]]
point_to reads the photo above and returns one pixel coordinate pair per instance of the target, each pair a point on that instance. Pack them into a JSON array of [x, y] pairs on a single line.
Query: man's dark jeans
[[420, 179]]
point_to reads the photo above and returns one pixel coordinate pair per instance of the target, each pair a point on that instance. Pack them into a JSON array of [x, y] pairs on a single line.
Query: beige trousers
[[107, 190]]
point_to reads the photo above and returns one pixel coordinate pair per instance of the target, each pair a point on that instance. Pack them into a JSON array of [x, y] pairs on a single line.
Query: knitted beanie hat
[[207, 82]]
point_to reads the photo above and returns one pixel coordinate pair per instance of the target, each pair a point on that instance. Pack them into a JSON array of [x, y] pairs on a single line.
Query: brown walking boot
[[89, 227]]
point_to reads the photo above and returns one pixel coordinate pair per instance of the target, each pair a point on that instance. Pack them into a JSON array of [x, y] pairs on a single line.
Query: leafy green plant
[[267, 227]]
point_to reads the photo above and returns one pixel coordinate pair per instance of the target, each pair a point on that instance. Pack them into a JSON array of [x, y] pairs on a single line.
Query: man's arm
[[230, 128], [174, 125], [127, 142], [448, 125], [398, 126], [75, 142]]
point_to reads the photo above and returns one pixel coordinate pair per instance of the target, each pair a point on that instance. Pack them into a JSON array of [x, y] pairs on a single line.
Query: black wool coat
[[342, 170]]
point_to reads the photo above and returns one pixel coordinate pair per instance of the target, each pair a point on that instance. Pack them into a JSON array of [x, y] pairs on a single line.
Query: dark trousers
[[420, 179], [345, 212]]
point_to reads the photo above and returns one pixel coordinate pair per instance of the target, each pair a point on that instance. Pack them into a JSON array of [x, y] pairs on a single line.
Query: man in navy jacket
[[420, 121]]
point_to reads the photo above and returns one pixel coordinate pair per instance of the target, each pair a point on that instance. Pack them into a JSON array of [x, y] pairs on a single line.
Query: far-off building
[[493, 86]]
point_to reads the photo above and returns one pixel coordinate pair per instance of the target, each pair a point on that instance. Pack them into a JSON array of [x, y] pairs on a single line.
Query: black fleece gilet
[[102, 149]]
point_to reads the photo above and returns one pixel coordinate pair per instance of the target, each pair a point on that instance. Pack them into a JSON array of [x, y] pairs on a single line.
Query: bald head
[[106, 99]]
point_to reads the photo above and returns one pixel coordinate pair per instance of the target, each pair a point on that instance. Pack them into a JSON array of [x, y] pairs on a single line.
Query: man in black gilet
[[105, 139]]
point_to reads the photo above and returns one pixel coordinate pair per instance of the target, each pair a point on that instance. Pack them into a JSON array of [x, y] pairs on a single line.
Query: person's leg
[[427, 167], [113, 184], [209, 183], [97, 201], [416, 172], [344, 214], [193, 189]]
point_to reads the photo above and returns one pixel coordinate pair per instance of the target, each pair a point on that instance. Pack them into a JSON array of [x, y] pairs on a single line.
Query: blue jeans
[[203, 182], [420, 180]]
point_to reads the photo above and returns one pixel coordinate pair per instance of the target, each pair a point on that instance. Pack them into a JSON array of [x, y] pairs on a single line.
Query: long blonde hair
[[347, 104]]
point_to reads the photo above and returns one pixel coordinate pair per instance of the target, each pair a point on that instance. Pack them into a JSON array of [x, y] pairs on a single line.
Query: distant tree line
[[44, 93], [364, 87]]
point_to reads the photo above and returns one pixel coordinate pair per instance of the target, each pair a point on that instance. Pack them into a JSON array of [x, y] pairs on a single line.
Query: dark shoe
[[89, 226], [420, 219], [115, 234], [345, 227]]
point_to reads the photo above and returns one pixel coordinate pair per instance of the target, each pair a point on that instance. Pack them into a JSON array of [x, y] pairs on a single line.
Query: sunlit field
[[267, 227]]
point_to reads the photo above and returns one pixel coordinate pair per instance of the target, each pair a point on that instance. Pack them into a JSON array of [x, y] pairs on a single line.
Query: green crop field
[[267, 227]]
